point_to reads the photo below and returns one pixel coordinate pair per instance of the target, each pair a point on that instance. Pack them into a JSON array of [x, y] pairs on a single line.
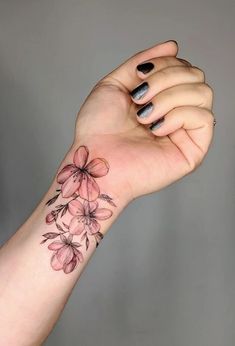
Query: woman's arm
[[122, 149], [41, 263]]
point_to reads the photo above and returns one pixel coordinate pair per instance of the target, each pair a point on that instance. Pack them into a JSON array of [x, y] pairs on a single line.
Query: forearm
[[34, 287], [132, 152]]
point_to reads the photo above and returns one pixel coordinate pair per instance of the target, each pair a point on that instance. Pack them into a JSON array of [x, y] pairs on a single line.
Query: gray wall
[[165, 274]]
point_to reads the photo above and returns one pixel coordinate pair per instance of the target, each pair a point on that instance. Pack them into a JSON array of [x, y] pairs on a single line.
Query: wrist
[[70, 220], [85, 183], [115, 183]]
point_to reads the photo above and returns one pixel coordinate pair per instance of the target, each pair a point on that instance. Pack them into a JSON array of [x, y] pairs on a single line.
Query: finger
[[198, 122], [147, 68], [166, 78], [125, 75], [196, 94]]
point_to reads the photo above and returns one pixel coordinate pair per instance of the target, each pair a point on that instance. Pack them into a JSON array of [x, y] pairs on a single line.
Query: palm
[[141, 160]]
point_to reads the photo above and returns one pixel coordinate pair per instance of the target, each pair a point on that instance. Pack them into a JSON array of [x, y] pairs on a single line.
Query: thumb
[[125, 75]]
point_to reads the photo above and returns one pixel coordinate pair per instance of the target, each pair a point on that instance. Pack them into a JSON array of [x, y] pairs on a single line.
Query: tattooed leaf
[[76, 244], [60, 206], [98, 236], [43, 241], [70, 237], [83, 236], [80, 257], [52, 200], [64, 210], [60, 228], [63, 238], [112, 203], [66, 226], [51, 235], [87, 243], [107, 198]]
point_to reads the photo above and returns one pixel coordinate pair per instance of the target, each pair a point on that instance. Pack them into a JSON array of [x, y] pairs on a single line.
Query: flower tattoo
[[79, 176], [86, 216], [82, 211], [66, 254]]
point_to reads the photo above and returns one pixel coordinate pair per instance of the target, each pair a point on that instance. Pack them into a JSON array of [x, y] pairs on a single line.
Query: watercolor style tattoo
[[80, 217]]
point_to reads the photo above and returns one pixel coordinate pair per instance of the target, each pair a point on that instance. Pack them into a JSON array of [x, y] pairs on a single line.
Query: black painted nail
[[172, 41], [156, 124], [184, 61], [145, 110], [140, 91], [146, 67]]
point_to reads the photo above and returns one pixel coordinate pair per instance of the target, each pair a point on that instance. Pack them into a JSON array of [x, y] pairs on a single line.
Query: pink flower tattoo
[[66, 254], [84, 215], [51, 217], [80, 176]]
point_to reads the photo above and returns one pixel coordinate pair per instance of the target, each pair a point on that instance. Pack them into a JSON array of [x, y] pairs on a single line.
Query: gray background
[[164, 275]]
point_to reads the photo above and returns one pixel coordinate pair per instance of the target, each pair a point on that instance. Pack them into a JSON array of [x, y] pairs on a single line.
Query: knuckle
[[210, 118], [185, 62], [198, 72], [209, 91], [196, 161], [205, 90], [164, 72]]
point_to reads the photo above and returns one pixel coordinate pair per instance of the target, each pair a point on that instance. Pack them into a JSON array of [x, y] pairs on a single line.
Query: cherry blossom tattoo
[[78, 220]]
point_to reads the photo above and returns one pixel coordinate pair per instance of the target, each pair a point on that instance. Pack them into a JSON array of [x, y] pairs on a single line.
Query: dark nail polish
[[185, 61], [140, 91], [145, 67], [156, 124], [146, 110], [172, 41]]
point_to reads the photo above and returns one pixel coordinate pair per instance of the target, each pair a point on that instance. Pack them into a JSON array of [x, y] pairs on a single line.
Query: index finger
[[125, 74]]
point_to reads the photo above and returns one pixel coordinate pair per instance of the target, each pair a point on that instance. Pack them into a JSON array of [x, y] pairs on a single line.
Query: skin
[[141, 161]]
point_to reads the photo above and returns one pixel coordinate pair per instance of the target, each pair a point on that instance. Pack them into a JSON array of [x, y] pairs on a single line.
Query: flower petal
[[86, 207], [97, 167], [103, 213], [81, 156], [56, 245], [56, 265], [71, 185], [93, 206], [68, 268], [89, 207], [65, 254], [79, 255], [63, 238], [76, 244], [65, 173], [76, 225], [88, 189], [76, 208], [51, 217], [94, 226], [70, 238]]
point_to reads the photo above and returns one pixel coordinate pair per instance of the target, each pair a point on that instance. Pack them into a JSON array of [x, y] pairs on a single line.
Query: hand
[[144, 156]]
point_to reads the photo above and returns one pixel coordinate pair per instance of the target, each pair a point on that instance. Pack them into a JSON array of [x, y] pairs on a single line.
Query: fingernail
[[145, 110], [156, 124], [145, 67], [184, 61], [140, 91], [171, 41]]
